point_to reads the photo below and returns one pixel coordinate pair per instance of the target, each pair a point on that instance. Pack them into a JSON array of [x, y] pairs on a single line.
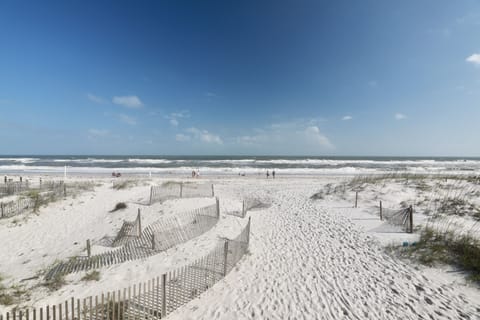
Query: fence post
[[225, 256], [181, 189], [1, 205], [89, 248], [217, 201], [410, 209], [213, 191], [139, 218], [356, 198], [164, 295], [248, 232], [151, 194], [153, 241], [64, 189], [381, 213], [243, 209]]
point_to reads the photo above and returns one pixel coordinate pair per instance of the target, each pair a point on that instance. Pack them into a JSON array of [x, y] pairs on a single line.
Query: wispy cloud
[[301, 135], [174, 116], [314, 136], [205, 136], [132, 102], [346, 118], [400, 116], [474, 59], [210, 94], [372, 83], [127, 119], [182, 137], [96, 99]]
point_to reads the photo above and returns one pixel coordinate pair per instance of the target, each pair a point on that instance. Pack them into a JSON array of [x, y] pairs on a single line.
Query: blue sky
[[240, 77]]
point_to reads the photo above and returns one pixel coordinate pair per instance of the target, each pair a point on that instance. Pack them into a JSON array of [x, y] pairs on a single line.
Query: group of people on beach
[[273, 174], [195, 174]]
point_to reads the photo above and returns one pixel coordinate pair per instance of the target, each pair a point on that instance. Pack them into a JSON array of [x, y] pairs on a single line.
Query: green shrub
[[119, 206], [92, 276]]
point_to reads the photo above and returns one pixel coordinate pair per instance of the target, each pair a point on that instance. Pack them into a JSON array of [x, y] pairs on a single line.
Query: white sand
[[308, 259]]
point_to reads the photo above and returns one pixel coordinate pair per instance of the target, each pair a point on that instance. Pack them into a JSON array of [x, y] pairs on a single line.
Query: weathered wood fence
[[157, 237], [15, 207], [173, 190], [250, 203], [402, 217], [154, 299], [11, 188]]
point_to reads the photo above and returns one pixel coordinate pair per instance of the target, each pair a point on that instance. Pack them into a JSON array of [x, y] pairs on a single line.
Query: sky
[[303, 77]]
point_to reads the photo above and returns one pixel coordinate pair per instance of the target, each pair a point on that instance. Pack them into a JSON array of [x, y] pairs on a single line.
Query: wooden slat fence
[[174, 190], [155, 238], [397, 217], [22, 204], [129, 231], [154, 299], [11, 188]]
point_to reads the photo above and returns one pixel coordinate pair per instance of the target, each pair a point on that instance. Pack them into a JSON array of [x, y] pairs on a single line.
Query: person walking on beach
[[268, 174], [273, 173]]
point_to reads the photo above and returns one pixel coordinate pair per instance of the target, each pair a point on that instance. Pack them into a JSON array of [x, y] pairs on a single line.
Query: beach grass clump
[[91, 276], [124, 184], [34, 195], [119, 206], [171, 183], [56, 282], [448, 247]]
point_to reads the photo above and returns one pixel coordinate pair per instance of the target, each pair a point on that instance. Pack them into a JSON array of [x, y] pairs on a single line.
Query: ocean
[[228, 165]]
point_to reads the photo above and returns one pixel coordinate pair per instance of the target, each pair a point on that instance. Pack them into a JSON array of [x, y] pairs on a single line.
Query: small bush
[[119, 206], [92, 276], [124, 184], [449, 248], [55, 283], [6, 299]]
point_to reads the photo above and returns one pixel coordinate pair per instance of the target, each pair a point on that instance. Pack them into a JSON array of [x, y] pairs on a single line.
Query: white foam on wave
[[89, 160], [21, 160], [347, 170], [150, 161]]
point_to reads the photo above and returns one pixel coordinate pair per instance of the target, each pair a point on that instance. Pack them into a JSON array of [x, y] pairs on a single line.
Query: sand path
[[309, 262]]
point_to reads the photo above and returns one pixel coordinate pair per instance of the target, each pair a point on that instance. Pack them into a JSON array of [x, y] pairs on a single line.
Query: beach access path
[[309, 261]]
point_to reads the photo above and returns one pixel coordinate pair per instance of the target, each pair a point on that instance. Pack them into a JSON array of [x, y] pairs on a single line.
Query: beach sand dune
[[309, 261]]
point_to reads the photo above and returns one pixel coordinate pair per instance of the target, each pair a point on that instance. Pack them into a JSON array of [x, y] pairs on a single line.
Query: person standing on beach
[[273, 173], [268, 174]]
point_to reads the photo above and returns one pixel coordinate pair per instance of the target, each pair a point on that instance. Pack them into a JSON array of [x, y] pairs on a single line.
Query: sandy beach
[[307, 259]]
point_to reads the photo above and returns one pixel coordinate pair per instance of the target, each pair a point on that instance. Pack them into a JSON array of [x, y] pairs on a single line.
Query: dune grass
[[448, 247]]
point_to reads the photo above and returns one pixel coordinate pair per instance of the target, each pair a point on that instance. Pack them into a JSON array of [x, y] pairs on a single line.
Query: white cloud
[[210, 94], [314, 136], [205, 136], [127, 119], [174, 116], [133, 102], [182, 137], [96, 99], [400, 116], [474, 58], [296, 136], [346, 118]]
